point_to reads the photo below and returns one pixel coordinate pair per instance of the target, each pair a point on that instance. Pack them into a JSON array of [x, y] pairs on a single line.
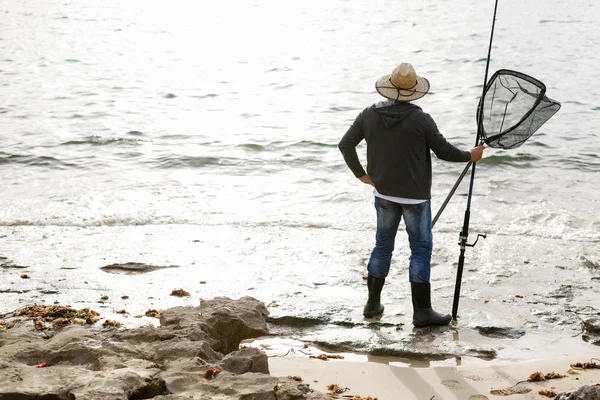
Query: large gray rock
[[227, 322], [167, 362], [583, 393]]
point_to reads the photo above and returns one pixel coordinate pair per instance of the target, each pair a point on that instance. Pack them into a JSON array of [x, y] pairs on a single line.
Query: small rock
[[500, 332], [249, 359]]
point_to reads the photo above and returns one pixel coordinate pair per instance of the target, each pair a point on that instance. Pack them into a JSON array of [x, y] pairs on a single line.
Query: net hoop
[[520, 75]]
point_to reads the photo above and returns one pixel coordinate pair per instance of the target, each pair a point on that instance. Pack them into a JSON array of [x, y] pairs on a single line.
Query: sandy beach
[[391, 382], [153, 148]]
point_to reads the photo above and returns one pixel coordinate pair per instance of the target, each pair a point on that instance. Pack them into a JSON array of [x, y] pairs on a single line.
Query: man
[[400, 138]]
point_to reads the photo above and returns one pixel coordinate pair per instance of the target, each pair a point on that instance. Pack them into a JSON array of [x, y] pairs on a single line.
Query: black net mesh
[[513, 107]]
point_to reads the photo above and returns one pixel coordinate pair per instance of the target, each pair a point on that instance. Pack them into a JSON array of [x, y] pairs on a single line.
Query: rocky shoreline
[[195, 353]]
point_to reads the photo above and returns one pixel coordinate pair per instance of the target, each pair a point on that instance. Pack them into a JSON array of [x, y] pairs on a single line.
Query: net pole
[[459, 180], [464, 232]]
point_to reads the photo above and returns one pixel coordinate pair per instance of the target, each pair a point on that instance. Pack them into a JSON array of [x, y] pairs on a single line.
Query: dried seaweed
[[180, 293], [335, 389], [111, 323], [153, 313], [586, 365], [212, 373], [326, 357], [536, 377], [539, 377], [56, 315]]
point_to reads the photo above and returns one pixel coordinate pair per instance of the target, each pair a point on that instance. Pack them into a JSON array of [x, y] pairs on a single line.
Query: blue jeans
[[417, 218]]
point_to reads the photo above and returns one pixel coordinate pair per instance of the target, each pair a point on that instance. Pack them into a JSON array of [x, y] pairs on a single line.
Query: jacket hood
[[393, 112]]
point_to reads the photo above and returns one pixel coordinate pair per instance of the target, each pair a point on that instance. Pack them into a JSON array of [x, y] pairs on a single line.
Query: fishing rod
[[512, 107], [464, 232]]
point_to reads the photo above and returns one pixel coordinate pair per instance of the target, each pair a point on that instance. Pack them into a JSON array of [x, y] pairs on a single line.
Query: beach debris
[[200, 360], [153, 313], [111, 323], [326, 357], [212, 373], [24, 276], [547, 393], [359, 397], [536, 377], [335, 389], [180, 293], [265, 346], [573, 372], [122, 312], [365, 277], [39, 324], [85, 282], [296, 378], [60, 322], [42, 365], [539, 377], [124, 297], [57, 315], [203, 282], [554, 375], [518, 296], [587, 365]]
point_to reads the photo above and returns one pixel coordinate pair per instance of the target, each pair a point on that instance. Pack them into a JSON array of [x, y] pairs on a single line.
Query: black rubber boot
[[374, 306], [423, 313]]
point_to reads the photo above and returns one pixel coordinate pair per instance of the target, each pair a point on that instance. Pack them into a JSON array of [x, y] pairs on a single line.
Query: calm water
[[204, 136]]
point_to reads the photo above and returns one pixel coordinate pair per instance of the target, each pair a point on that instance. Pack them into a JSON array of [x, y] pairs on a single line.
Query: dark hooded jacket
[[400, 138]]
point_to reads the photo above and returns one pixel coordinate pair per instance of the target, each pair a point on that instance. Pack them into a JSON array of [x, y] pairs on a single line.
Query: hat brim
[[386, 89]]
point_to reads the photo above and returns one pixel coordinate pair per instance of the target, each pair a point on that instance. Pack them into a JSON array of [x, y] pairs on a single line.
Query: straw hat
[[402, 84]]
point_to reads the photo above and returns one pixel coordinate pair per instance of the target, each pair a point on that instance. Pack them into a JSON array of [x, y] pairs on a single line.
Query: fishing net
[[513, 107]]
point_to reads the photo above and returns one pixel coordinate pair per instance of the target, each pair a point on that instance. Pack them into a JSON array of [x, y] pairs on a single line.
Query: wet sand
[[389, 382], [523, 297]]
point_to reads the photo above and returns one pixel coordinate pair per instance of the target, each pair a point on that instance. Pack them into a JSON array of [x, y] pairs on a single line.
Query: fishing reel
[[463, 238], [483, 235]]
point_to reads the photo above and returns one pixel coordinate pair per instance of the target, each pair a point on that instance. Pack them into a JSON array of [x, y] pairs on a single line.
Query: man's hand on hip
[[367, 180]]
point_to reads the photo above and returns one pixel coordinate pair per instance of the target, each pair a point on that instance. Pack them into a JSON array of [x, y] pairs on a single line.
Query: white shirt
[[401, 200]]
